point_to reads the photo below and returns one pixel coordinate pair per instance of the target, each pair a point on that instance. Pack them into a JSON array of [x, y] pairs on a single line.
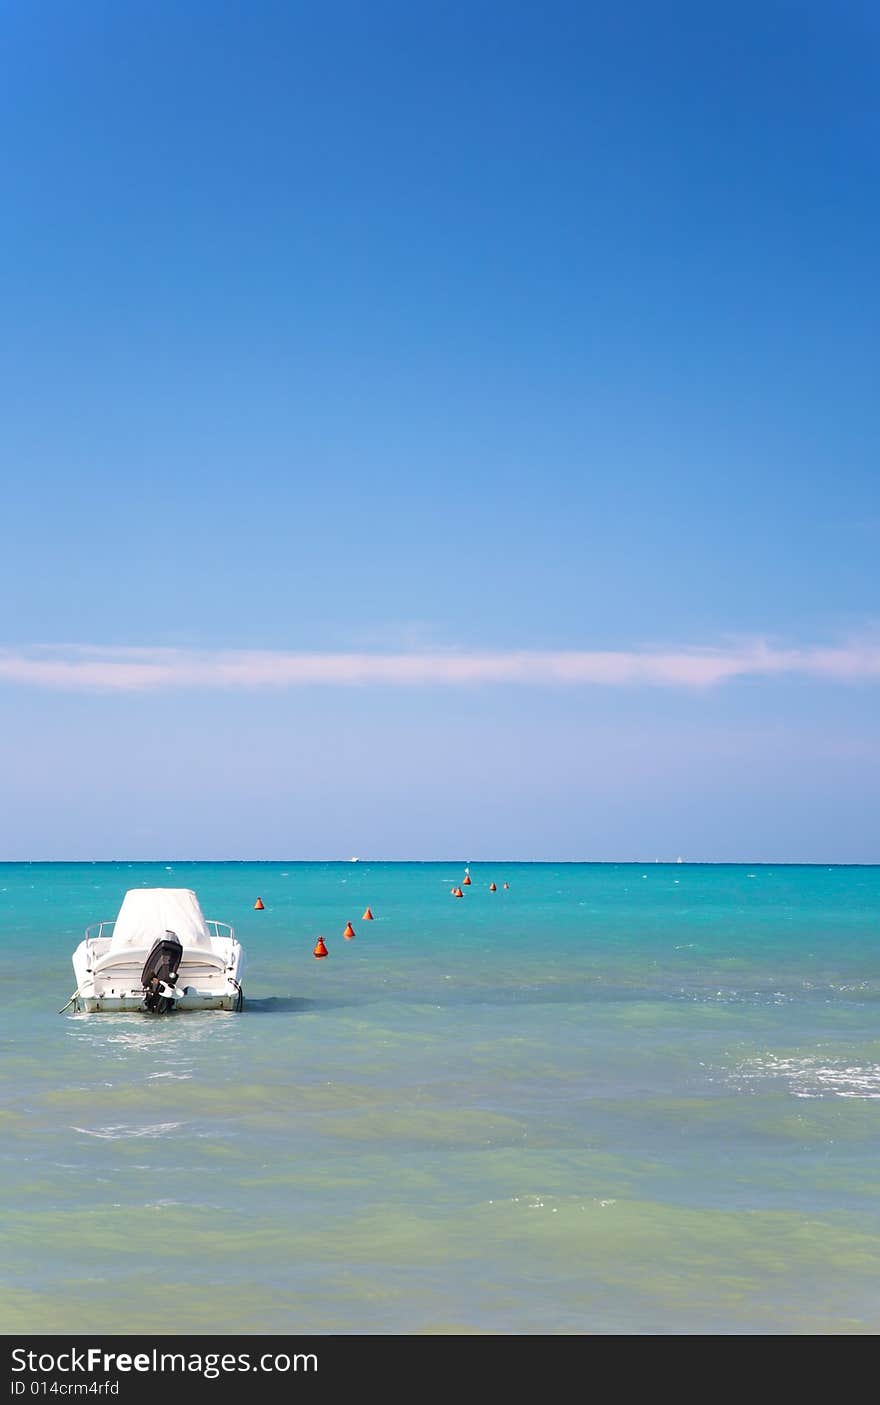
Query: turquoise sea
[[614, 1098]]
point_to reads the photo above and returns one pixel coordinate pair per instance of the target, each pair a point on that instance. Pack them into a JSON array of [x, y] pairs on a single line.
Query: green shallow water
[[612, 1099]]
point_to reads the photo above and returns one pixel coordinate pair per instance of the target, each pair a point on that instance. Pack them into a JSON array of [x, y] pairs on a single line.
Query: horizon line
[[468, 863]]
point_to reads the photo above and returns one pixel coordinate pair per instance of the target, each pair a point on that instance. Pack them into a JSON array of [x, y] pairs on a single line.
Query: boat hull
[[96, 1004], [206, 981]]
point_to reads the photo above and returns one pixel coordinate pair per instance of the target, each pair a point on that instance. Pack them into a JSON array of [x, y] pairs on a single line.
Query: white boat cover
[[148, 913]]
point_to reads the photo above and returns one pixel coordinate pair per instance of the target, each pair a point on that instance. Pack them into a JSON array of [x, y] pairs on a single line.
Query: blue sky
[[436, 334]]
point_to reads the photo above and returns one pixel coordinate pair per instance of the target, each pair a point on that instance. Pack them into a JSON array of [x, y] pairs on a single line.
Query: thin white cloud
[[84, 668]]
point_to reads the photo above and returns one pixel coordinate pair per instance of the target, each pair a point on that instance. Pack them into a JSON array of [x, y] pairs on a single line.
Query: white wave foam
[[815, 1078], [119, 1130]]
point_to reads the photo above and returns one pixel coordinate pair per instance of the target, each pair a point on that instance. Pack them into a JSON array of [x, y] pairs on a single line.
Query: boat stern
[[204, 980]]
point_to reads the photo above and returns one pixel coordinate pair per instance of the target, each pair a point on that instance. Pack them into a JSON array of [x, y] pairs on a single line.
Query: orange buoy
[[457, 893], [320, 949], [368, 916], [466, 880], [258, 905], [349, 932], [492, 888]]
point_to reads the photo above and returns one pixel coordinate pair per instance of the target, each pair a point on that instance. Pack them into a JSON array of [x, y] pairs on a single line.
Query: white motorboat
[[159, 954]]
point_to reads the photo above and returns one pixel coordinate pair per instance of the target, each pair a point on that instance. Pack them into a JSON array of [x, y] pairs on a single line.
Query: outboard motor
[[159, 976]]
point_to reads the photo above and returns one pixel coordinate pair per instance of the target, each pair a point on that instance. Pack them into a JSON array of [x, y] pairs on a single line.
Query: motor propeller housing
[[159, 976]]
